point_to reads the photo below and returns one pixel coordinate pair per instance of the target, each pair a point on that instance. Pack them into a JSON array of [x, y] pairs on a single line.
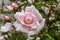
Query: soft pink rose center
[[28, 19]]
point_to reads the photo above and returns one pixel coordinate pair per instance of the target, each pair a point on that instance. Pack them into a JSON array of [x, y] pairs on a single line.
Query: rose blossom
[[29, 20]]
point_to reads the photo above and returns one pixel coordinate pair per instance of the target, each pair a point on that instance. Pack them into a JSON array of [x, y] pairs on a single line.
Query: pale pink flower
[[29, 21]]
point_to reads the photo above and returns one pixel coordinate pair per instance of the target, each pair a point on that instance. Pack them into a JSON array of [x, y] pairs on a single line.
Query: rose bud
[[13, 6], [6, 18]]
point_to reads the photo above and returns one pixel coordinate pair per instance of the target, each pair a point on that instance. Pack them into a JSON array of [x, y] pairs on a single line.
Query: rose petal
[[37, 30], [19, 27], [29, 9], [40, 26], [18, 14]]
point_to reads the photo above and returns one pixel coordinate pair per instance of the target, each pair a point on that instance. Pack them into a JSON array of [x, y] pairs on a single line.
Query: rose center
[[28, 19]]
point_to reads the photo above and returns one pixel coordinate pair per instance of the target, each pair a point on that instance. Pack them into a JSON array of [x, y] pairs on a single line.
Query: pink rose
[[29, 20]]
